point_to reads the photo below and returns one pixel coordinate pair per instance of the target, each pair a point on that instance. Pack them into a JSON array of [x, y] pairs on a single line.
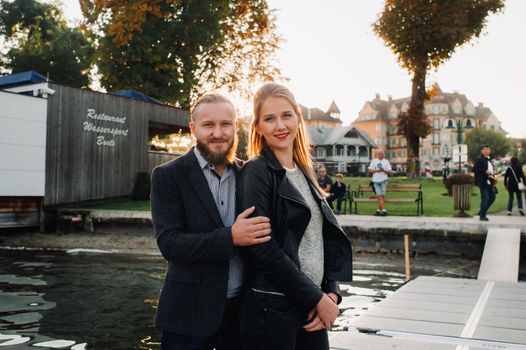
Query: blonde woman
[[291, 293]]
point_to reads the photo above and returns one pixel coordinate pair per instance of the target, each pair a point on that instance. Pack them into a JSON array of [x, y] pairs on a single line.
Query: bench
[[365, 194]]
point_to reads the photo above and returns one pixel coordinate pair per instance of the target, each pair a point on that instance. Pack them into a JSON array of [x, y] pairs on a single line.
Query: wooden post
[[406, 253]]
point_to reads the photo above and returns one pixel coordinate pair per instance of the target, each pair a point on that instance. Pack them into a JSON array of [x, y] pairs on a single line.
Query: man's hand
[[250, 231]]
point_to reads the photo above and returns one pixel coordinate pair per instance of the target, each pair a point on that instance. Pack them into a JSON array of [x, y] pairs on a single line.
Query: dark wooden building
[[96, 144]]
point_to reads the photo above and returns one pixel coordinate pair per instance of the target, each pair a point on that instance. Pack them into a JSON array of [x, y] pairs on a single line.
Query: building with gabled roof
[[445, 110], [344, 149], [317, 117]]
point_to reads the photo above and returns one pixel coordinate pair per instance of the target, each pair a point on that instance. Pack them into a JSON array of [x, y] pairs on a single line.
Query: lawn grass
[[124, 205], [436, 202]]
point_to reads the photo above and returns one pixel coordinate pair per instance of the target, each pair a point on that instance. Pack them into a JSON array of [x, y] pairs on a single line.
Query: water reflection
[[107, 301]]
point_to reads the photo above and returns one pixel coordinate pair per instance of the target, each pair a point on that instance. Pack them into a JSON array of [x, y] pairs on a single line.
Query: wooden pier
[[450, 313]]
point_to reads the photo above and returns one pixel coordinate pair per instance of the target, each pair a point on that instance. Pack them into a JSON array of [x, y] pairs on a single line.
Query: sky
[[331, 53]]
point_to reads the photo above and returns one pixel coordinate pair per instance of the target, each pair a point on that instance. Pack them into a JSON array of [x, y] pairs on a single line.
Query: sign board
[[460, 152], [105, 135]]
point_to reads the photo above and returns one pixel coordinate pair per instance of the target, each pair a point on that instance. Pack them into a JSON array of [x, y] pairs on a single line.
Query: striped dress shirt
[[223, 190]]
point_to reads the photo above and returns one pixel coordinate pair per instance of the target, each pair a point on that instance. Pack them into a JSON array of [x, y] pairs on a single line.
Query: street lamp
[[460, 130]]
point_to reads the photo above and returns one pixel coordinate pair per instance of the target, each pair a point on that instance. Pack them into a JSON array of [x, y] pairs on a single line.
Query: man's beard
[[218, 158]]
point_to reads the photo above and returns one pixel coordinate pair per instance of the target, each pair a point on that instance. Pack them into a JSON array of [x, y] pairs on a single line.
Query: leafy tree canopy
[[422, 35], [498, 142], [39, 38], [427, 33], [174, 50]]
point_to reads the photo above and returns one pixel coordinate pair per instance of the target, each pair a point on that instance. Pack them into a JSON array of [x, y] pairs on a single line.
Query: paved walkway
[[427, 223], [362, 223]]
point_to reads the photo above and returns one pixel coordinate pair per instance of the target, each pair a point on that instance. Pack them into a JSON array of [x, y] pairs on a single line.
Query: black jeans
[[227, 337], [487, 197], [273, 322], [339, 197], [510, 199]]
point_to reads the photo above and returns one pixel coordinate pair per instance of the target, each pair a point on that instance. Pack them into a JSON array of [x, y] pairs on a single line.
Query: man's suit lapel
[[198, 181]]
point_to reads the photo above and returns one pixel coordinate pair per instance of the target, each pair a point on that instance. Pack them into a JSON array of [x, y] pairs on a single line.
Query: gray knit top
[[310, 251]]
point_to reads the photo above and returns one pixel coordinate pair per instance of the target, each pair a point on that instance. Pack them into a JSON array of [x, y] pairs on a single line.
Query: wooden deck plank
[[366, 322], [426, 306], [501, 334], [505, 312], [357, 341], [502, 322], [415, 314]]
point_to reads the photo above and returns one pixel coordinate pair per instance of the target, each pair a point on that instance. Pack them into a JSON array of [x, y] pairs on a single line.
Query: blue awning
[[136, 95], [22, 78]]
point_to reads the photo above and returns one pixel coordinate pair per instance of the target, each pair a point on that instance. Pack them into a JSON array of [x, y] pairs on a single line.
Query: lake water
[[95, 300]]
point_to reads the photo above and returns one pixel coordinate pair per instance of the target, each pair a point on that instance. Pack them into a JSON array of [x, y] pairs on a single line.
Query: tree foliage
[[174, 50], [422, 35], [40, 39], [498, 142]]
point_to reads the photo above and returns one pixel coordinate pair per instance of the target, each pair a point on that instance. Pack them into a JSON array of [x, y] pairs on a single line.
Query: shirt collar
[[200, 159], [203, 163]]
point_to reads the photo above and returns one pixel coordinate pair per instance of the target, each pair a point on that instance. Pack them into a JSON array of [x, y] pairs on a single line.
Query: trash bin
[[462, 198]]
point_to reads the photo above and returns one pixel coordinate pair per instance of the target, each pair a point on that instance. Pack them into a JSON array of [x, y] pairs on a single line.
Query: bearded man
[[193, 212]]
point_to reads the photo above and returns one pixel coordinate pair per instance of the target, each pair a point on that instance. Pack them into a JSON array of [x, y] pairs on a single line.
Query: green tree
[[518, 149], [242, 136], [38, 38], [422, 35], [498, 142], [174, 50]]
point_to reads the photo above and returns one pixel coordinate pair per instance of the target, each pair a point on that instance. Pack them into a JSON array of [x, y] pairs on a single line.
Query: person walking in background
[[324, 180], [514, 181], [291, 295], [193, 212], [484, 179], [380, 168], [338, 191]]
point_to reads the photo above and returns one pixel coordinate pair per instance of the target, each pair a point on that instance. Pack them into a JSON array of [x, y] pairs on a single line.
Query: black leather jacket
[[274, 266], [480, 168]]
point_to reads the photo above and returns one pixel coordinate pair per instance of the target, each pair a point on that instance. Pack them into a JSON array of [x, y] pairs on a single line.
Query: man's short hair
[[484, 146], [322, 168], [339, 175], [209, 98]]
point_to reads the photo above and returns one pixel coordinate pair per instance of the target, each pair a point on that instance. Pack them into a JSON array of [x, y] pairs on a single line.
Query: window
[[362, 151], [436, 151], [469, 124], [450, 124], [320, 152], [436, 138], [436, 123]]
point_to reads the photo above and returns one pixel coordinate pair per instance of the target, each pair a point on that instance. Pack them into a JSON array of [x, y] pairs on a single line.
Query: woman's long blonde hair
[[301, 147]]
